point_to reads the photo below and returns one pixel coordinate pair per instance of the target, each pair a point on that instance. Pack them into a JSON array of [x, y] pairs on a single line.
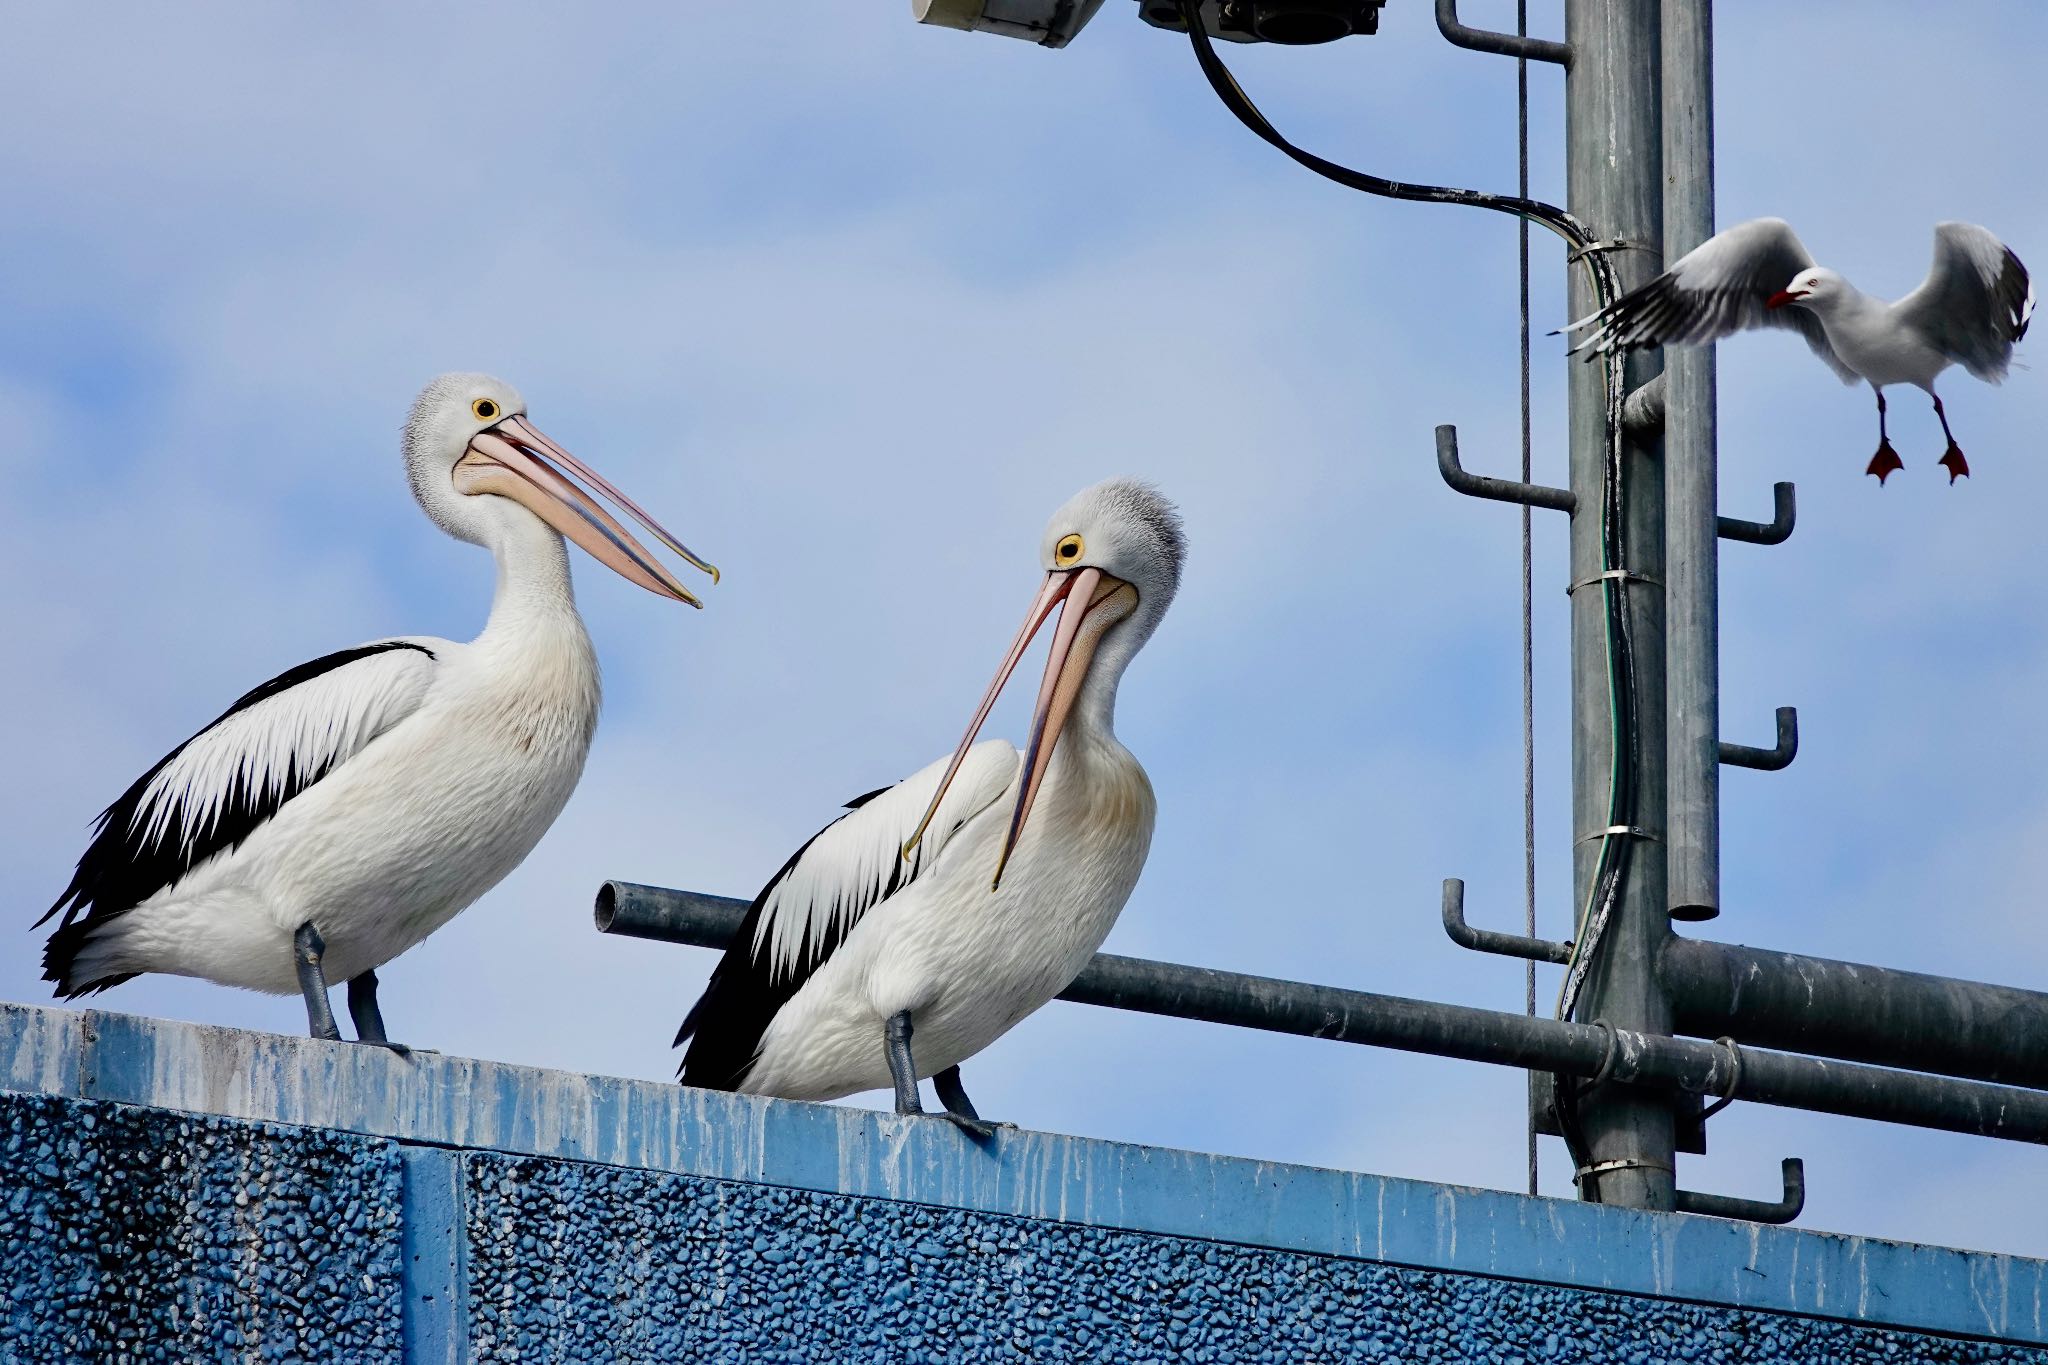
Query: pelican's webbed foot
[[959, 1108], [903, 1075], [369, 1020]]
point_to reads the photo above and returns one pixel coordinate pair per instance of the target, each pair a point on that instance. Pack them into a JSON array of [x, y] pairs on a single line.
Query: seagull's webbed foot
[[960, 1109], [1952, 460], [1886, 461], [369, 1020], [307, 948]]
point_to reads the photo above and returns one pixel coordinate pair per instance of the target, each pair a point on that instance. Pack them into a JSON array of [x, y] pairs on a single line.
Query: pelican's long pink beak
[[1074, 642], [515, 460]]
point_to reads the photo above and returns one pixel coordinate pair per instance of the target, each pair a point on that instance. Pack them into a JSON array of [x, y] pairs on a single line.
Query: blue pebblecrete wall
[[173, 1193], [147, 1235]]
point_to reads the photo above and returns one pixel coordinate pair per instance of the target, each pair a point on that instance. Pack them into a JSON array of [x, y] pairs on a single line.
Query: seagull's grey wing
[[1718, 288], [1974, 303]]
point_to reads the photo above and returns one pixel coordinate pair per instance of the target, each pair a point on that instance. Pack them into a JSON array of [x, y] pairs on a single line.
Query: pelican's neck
[[534, 594], [1091, 726]]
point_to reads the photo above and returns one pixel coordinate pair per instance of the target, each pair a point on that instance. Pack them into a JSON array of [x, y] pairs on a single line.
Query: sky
[[852, 305]]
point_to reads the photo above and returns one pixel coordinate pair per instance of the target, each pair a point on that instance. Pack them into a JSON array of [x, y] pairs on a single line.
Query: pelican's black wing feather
[[150, 838]]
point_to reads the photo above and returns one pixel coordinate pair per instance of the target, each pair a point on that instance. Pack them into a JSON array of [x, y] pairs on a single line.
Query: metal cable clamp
[[1734, 1079], [1620, 1163], [1611, 244], [1632, 831], [1606, 1058], [1616, 575]]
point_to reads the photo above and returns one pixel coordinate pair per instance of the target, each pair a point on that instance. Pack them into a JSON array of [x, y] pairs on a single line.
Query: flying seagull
[[922, 925], [341, 812], [1969, 311]]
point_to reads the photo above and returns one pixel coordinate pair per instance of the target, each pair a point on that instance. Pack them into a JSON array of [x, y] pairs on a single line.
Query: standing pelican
[[1969, 311], [344, 810], [917, 929]]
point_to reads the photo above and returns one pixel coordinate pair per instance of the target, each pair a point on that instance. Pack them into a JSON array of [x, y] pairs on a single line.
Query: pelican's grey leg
[[369, 1020], [959, 1108], [902, 1070], [307, 946]]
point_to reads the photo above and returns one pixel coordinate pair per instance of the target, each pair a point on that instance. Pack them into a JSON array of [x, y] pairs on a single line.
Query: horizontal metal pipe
[[669, 916], [1462, 1031], [1856, 1012]]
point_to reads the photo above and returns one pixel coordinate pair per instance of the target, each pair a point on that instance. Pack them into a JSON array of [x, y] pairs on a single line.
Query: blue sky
[[853, 305]]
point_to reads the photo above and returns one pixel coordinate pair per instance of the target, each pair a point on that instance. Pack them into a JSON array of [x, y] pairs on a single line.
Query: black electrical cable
[[1611, 871]]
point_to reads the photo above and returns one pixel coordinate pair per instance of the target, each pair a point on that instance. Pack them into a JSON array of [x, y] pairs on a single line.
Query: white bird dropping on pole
[[1969, 311]]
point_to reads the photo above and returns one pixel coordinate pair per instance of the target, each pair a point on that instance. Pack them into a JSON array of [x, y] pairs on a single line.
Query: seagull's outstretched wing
[[1974, 303], [810, 906], [1718, 288], [210, 793]]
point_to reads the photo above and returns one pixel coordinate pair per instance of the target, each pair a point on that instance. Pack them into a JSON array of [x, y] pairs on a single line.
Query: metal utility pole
[[1693, 583], [1614, 171]]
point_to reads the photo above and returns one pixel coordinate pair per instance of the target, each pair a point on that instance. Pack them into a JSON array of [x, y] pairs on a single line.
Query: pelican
[[341, 812], [922, 925], [1969, 311]]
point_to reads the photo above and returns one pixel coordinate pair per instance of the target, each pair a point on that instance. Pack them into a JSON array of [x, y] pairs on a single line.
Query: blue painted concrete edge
[[459, 1102]]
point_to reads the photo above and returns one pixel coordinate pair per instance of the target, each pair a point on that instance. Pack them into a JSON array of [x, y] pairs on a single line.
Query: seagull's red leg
[[1887, 460], [1952, 459]]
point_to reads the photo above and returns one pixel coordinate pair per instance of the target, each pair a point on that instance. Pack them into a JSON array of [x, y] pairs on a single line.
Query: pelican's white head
[[1130, 533], [473, 459], [1112, 558], [1815, 287]]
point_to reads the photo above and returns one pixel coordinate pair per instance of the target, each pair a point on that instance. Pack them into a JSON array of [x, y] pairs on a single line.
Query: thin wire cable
[[1610, 870], [1528, 576]]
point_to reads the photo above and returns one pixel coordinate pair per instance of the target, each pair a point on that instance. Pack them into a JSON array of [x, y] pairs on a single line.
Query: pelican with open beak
[[341, 812], [922, 925]]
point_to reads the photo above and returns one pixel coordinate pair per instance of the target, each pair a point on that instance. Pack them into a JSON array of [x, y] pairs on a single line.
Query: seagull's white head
[[474, 460], [1815, 287], [1112, 558]]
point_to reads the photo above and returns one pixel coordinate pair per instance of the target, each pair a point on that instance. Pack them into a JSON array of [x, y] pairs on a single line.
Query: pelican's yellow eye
[[485, 410], [1068, 551]]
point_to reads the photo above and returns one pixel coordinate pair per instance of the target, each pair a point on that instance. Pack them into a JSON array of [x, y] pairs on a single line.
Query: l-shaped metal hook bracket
[[1499, 490], [1505, 44], [1754, 1210], [1768, 760], [1488, 941], [1776, 531], [1642, 416]]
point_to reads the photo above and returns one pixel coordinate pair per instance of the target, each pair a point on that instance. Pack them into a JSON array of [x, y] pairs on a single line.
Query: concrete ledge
[[434, 1102]]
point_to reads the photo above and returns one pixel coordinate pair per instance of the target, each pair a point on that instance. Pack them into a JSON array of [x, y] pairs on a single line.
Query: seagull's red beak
[[1783, 297]]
